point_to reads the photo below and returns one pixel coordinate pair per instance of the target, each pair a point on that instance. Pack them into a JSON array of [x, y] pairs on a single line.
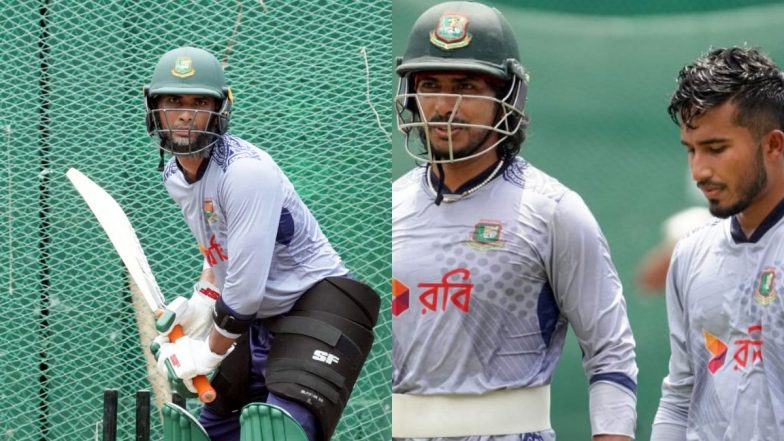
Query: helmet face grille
[[418, 127], [185, 138], [460, 37], [187, 71]]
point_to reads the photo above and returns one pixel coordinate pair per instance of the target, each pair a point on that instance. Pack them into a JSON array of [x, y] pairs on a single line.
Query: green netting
[[597, 101], [308, 75]]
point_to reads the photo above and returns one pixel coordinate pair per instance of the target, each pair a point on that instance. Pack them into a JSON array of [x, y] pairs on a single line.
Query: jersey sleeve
[[670, 421], [589, 294], [252, 197]]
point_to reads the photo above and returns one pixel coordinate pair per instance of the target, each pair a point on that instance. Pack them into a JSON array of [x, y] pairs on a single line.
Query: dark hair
[[511, 146], [744, 75]]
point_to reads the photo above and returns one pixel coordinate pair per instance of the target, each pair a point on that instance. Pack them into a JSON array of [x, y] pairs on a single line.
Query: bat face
[[122, 235]]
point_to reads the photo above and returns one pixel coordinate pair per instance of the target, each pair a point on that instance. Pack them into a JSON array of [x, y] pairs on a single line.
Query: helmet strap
[[440, 191], [439, 194]]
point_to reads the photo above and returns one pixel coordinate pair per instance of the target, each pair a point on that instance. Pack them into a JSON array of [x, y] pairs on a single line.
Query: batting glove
[[188, 358], [177, 384], [194, 314]]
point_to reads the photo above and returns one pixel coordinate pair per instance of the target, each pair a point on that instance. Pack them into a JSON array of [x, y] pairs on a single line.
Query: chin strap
[[160, 164], [440, 191]]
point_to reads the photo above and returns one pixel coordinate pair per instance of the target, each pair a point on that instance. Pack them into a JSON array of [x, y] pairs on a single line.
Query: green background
[[601, 76], [309, 77]]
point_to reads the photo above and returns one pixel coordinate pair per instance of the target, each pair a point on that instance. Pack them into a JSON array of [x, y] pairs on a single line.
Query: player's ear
[[774, 144]]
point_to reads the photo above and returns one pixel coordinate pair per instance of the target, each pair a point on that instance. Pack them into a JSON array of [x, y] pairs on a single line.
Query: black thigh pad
[[232, 380], [320, 346]]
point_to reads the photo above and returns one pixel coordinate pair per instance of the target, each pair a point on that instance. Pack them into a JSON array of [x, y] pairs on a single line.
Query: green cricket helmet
[[461, 36], [188, 71]]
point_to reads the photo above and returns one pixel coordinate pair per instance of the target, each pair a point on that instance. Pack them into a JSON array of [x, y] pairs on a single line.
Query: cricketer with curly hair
[[726, 372]]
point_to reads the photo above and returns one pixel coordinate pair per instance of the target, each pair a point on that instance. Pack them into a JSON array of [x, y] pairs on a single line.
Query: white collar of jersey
[[476, 187]]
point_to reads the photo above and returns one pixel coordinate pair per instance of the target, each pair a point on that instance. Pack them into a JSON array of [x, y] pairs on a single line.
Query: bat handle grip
[[200, 382]]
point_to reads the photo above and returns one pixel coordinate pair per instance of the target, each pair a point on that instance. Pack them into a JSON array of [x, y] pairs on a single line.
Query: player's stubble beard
[[197, 148], [750, 186], [476, 140], [187, 148]]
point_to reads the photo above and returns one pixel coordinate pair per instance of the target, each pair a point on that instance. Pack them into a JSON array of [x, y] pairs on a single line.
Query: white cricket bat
[[122, 235]]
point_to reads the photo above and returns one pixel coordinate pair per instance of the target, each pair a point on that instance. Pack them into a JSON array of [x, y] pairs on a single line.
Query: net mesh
[[308, 76]]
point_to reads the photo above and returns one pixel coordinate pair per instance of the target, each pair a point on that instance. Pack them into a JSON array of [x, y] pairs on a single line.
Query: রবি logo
[[214, 252], [453, 289], [748, 349], [451, 31], [718, 350], [400, 297], [765, 292]]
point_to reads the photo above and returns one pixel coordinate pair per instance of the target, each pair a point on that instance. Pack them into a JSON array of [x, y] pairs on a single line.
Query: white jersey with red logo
[[726, 378], [484, 288], [254, 231]]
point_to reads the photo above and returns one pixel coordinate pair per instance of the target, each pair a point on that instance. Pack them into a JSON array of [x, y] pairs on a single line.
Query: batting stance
[[288, 327], [491, 257]]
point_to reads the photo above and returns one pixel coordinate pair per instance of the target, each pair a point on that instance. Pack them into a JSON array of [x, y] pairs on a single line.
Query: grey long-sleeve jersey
[[254, 231], [484, 288], [726, 317]]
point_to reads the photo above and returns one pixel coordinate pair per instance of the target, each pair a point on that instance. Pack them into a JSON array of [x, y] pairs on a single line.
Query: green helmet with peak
[[464, 36], [188, 71]]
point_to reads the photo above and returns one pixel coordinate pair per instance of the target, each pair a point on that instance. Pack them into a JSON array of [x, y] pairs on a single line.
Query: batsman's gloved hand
[[194, 314], [177, 385], [187, 358]]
